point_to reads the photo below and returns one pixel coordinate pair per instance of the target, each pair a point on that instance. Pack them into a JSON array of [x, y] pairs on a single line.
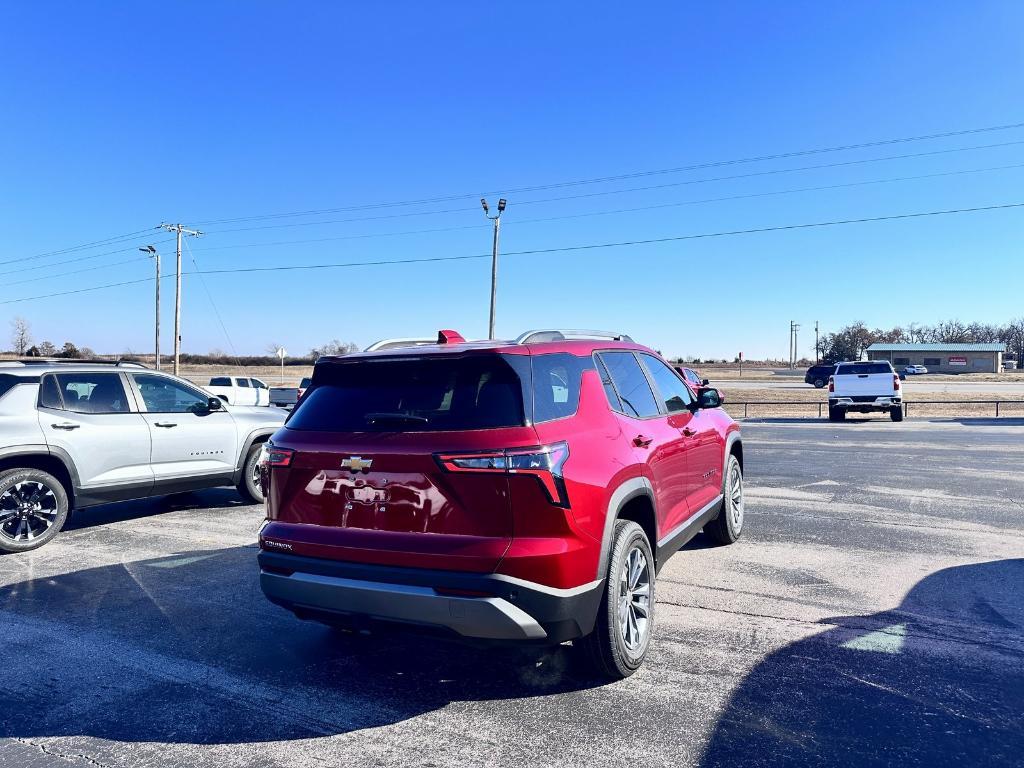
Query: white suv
[[74, 435]]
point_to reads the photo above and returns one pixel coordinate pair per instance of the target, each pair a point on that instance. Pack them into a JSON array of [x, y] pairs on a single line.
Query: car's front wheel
[[250, 486], [727, 527], [618, 645], [819, 383], [33, 509]]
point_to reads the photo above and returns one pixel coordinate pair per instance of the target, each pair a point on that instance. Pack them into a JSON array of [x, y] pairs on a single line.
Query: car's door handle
[[689, 432], [165, 424], [66, 425], [642, 441]]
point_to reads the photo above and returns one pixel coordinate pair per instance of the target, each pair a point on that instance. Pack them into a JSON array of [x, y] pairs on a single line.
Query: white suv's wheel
[[33, 509], [250, 486], [618, 645]]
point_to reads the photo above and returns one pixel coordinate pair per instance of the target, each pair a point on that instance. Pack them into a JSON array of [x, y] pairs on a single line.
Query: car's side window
[[609, 387], [243, 383], [675, 394], [49, 393], [88, 393], [257, 384], [220, 381], [164, 395], [631, 384]]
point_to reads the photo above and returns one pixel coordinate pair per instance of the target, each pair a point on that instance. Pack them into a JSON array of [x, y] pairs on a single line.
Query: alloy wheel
[[736, 496], [27, 510], [634, 609]]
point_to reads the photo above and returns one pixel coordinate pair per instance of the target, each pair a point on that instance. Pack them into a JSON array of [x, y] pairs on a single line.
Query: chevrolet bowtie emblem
[[357, 464]]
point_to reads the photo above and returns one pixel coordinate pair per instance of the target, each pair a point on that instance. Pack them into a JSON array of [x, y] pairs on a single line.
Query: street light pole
[[156, 339], [494, 259]]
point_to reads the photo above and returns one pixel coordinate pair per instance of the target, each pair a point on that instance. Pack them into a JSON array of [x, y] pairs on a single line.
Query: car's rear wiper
[[407, 418]]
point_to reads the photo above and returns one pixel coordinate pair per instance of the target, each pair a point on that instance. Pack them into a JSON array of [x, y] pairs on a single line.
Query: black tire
[[819, 383], [609, 653], [32, 514], [249, 486], [896, 413], [836, 414], [727, 527]]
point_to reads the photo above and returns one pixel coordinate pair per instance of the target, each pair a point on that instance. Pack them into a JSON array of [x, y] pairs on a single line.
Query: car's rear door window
[[91, 392], [631, 385], [415, 394]]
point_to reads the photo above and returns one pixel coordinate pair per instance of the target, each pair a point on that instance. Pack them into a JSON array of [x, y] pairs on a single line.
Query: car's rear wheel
[[727, 527], [819, 383], [250, 486], [836, 414], [618, 645], [896, 413], [33, 509]]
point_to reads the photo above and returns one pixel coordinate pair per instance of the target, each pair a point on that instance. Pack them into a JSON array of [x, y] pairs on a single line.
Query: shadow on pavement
[[122, 511], [938, 681], [185, 649]]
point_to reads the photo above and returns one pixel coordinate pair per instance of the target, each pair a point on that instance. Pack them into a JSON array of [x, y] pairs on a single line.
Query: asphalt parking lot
[[872, 614]]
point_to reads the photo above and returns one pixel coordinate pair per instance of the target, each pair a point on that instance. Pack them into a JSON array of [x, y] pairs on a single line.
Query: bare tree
[[1012, 335], [21, 335], [47, 349]]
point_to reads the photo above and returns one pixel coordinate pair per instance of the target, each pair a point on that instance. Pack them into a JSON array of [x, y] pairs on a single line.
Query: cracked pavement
[[872, 614]]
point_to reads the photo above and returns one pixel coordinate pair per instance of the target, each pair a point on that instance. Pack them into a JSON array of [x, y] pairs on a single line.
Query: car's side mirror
[[709, 398], [704, 382], [214, 404], [903, 377]]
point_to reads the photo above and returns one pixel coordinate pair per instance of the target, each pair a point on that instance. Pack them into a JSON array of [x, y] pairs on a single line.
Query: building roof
[[996, 347]]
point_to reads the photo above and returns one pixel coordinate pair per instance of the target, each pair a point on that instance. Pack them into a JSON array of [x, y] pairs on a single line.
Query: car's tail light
[[831, 384], [895, 383], [544, 462], [276, 457]]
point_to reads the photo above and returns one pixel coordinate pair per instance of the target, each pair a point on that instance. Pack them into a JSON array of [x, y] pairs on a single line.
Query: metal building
[[942, 358]]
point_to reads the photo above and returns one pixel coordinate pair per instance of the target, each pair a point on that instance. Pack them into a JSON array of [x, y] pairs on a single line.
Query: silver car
[[74, 435]]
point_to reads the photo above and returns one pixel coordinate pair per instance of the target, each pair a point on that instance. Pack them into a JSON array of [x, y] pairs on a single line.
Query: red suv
[[524, 490]]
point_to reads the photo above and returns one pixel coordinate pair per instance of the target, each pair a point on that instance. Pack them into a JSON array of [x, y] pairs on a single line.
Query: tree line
[[850, 342]]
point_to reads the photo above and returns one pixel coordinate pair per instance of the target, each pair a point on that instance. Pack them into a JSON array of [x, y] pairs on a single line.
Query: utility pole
[[180, 230], [817, 349], [494, 258], [793, 328], [156, 340]]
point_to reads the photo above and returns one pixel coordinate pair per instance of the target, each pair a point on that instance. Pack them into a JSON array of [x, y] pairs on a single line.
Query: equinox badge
[[356, 464]]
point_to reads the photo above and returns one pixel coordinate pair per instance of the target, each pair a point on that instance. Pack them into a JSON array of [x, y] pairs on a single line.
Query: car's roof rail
[[399, 343], [563, 334], [76, 361]]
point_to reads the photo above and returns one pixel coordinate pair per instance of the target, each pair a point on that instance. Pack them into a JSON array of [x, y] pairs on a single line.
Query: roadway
[[870, 615]]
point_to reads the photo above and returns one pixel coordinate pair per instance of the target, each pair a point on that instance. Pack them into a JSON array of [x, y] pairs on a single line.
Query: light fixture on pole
[[154, 255], [494, 257]]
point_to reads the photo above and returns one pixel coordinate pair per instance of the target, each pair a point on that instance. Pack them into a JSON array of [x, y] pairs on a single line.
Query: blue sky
[[119, 116]]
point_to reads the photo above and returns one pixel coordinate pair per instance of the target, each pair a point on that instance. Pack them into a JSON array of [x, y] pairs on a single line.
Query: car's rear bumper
[[856, 404], [488, 607]]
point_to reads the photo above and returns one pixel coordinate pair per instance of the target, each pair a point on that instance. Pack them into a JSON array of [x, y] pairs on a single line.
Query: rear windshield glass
[[423, 394], [862, 368]]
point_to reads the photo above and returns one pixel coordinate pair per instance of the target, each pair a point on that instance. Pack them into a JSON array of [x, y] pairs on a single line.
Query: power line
[[213, 304], [562, 249], [520, 222], [78, 259], [624, 176], [687, 182], [106, 241]]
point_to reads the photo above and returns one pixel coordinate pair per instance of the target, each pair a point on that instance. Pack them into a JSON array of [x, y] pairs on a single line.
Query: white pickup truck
[[863, 387], [239, 390]]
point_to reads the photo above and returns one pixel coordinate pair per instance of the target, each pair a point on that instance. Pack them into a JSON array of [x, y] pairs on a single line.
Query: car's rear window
[[415, 394], [860, 369], [220, 381]]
